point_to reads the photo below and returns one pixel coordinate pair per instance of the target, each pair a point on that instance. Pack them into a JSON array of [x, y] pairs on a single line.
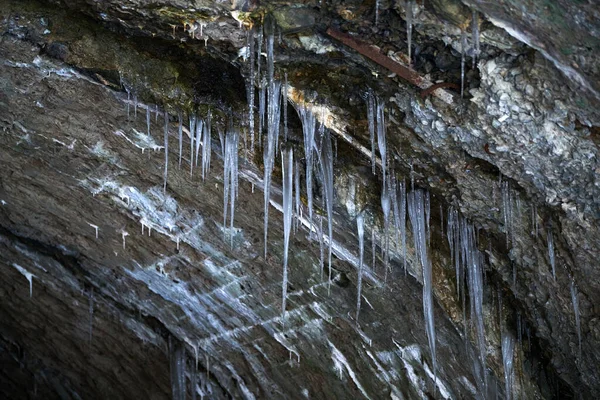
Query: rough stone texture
[[72, 160]]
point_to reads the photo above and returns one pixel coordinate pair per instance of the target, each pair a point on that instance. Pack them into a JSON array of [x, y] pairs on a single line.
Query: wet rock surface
[[122, 273]]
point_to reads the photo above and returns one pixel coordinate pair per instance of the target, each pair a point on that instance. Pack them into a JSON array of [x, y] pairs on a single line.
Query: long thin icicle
[[463, 51], [360, 225], [508, 346], [408, 7], [206, 146], [381, 139], [385, 206], [371, 120], [177, 361], [192, 133], [297, 194], [166, 150], [326, 161], [475, 37], [551, 253], [308, 128], [287, 168], [230, 177], [416, 212], [575, 301], [180, 135]]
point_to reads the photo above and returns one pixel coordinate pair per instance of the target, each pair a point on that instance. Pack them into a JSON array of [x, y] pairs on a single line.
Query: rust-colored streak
[[374, 54], [440, 85]]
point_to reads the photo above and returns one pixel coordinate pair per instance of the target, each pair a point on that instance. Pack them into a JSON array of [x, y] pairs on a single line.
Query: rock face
[[118, 284]]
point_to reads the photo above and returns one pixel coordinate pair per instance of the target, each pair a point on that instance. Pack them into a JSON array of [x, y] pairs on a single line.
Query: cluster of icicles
[[318, 155]]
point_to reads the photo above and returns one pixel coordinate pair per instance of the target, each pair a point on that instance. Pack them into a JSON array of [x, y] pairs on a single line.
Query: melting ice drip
[[230, 177], [408, 7], [326, 162], [575, 301], [309, 125], [416, 212]]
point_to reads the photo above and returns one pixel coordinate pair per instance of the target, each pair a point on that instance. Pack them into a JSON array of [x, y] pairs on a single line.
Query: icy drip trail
[[326, 161], [230, 177], [416, 212], [177, 366], [452, 233], [508, 346], [192, 131], [575, 301], [463, 51], [506, 210], [408, 8], [385, 206], [206, 145], [166, 151], [551, 253], [287, 169], [371, 119], [148, 120], [360, 225], [309, 124], [377, 6], [475, 36], [403, 221]]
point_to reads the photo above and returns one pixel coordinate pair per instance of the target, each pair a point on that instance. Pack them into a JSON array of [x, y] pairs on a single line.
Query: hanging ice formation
[[192, 133], [377, 5], [287, 168], [475, 37], [177, 366], [385, 206], [551, 253], [507, 210], [408, 7], [206, 146], [575, 301], [148, 120], [321, 247], [273, 118], [297, 194], [91, 309], [381, 140], [508, 346], [326, 161], [468, 259], [371, 119], [250, 87], [403, 221], [198, 140], [309, 124], [416, 212], [28, 275], [180, 135], [463, 50], [230, 177], [285, 108], [166, 151], [360, 225]]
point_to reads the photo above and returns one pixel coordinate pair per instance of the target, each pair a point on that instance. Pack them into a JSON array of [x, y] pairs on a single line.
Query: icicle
[[463, 50], [297, 194], [385, 206], [180, 134], [156, 113], [199, 132], [371, 119], [285, 108], [326, 161], [230, 177], [177, 364], [403, 221], [575, 301], [128, 101], [381, 140], [416, 212], [250, 87], [508, 345], [551, 253], [166, 150], [396, 208], [287, 165], [273, 117], [135, 104], [148, 120], [360, 224], [321, 247], [123, 235], [373, 245], [506, 210], [408, 7], [377, 5], [206, 146], [475, 37], [192, 132], [308, 128]]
